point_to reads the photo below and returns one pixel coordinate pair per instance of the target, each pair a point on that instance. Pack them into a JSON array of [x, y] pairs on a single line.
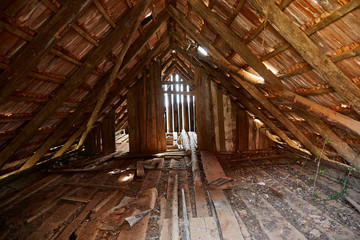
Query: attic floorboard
[[268, 200]]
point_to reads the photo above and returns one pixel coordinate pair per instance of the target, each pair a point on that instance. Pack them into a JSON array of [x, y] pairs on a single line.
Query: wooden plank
[[200, 202], [80, 218], [29, 191], [303, 208], [337, 14], [106, 15], [91, 185], [138, 231], [165, 233], [75, 199], [44, 40], [203, 228], [342, 148], [47, 229], [228, 223], [265, 213], [212, 168], [235, 43]]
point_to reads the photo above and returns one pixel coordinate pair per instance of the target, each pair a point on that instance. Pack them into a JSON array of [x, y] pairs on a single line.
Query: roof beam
[[26, 61], [134, 25], [106, 15], [74, 81], [321, 24], [310, 52], [337, 14], [234, 42], [88, 103], [256, 94]]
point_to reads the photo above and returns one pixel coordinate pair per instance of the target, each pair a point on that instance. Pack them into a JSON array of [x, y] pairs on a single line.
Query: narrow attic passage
[[179, 119]]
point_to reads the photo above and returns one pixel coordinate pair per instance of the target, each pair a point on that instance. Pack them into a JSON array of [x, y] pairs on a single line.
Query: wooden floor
[[268, 199]]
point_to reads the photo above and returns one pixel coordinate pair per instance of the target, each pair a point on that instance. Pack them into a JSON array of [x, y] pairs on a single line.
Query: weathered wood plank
[[212, 168], [203, 228], [228, 223]]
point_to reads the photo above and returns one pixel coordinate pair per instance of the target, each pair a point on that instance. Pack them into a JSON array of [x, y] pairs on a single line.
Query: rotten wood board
[[204, 228], [229, 226]]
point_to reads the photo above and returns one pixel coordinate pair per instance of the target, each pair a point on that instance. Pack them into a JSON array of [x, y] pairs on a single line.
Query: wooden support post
[[159, 106], [242, 130], [204, 111], [214, 102], [146, 116]]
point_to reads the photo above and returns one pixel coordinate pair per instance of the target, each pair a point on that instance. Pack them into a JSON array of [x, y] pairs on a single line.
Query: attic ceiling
[[56, 58]]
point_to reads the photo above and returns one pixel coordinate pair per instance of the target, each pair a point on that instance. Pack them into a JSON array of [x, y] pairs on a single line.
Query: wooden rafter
[[134, 24], [310, 52], [234, 42], [254, 92], [321, 24], [234, 92], [74, 81], [26, 61], [88, 103]]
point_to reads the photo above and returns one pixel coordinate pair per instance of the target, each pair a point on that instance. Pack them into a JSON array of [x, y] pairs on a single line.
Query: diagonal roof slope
[[56, 57]]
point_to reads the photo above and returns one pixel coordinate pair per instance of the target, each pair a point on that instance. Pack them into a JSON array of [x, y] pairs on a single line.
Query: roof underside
[[77, 38]]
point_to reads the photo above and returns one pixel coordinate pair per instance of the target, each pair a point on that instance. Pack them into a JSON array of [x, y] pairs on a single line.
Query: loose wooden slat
[[80, 218], [228, 223]]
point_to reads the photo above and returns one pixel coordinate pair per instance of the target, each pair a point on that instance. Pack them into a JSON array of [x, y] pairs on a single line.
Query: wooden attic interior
[[180, 119]]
